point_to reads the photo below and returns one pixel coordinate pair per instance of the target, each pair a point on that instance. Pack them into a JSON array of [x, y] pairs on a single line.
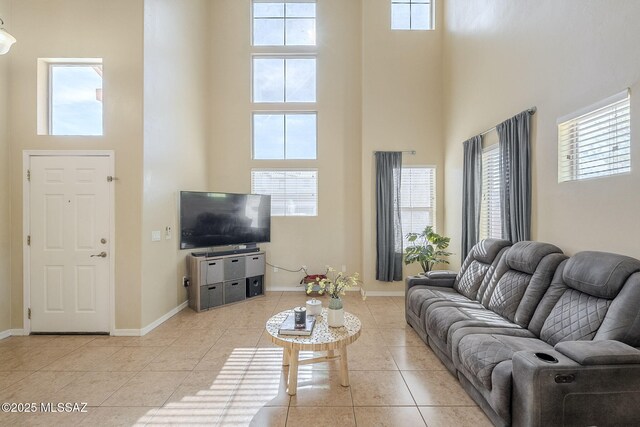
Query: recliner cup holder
[[546, 357]]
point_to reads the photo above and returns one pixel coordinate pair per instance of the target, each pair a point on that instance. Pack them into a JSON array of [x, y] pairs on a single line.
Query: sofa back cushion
[[576, 316], [595, 297], [521, 279], [482, 259]]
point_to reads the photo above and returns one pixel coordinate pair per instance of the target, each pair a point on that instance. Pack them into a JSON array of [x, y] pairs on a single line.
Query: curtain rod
[[412, 152], [531, 111]]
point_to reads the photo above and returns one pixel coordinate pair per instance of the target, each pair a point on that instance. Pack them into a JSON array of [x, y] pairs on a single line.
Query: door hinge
[[28, 240], [28, 174], [111, 178], [29, 313]]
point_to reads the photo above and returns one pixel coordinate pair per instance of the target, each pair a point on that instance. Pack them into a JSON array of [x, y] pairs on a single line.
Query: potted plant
[[427, 248], [334, 284]]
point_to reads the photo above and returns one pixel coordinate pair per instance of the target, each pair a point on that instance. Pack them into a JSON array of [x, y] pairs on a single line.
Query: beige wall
[[505, 56], [175, 123], [401, 110], [5, 186], [84, 28], [334, 236]]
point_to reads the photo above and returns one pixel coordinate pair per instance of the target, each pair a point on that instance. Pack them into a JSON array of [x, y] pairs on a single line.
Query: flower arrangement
[[335, 283]]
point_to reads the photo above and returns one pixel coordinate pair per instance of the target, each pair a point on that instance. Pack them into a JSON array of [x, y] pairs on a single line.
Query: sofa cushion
[[440, 319], [526, 255], [576, 316], [479, 354], [509, 292], [471, 279], [486, 250], [599, 274], [421, 295]]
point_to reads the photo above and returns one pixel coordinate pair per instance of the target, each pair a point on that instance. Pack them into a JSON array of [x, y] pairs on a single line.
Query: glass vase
[[335, 317]]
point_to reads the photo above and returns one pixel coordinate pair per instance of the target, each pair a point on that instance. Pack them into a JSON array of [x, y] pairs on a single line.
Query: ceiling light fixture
[[6, 39]]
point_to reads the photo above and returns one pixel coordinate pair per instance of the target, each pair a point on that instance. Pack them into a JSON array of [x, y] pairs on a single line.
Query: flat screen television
[[221, 219]]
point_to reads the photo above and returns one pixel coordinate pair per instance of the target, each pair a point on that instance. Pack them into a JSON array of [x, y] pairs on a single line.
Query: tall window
[[490, 215], [284, 23], [596, 141], [417, 199], [294, 192], [289, 136], [412, 14], [284, 79], [285, 117], [75, 99]]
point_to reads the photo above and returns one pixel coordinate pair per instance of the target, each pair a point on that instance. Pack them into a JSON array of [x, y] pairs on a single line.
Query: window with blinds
[[294, 192], [490, 215], [596, 141], [417, 199]]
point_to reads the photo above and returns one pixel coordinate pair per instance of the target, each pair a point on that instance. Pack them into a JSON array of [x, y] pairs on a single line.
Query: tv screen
[[219, 219]]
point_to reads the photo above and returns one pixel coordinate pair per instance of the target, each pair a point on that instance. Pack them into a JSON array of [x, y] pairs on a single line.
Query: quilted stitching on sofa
[[479, 354], [471, 280], [508, 293], [576, 316]]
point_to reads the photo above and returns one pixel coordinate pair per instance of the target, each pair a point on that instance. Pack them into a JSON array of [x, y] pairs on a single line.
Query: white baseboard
[[385, 293], [285, 289], [18, 332], [150, 327], [126, 333], [5, 334]]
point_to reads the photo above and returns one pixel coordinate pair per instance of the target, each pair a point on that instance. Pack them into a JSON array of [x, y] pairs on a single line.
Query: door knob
[[101, 255]]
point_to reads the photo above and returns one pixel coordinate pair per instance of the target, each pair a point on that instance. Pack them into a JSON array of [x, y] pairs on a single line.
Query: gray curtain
[[471, 193], [388, 226], [515, 169]]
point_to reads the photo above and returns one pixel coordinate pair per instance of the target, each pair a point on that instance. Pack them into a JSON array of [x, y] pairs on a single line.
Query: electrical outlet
[[167, 232], [276, 269], [185, 281]]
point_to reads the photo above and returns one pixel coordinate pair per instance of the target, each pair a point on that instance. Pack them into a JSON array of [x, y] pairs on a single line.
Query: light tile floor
[[220, 368]]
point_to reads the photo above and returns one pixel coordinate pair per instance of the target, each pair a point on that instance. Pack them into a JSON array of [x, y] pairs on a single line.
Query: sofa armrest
[[605, 352], [442, 278], [550, 388]]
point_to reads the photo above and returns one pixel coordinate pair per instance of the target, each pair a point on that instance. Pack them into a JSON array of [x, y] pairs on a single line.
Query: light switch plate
[[156, 236]]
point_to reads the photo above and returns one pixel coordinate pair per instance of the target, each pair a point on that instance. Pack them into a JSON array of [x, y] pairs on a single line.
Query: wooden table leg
[[285, 356], [344, 367], [293, 372]]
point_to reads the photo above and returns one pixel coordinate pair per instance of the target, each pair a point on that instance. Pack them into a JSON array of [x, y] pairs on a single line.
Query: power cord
[[289, 270]]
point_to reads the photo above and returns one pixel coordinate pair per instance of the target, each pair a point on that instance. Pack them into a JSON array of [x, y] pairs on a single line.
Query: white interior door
[[69, 252]]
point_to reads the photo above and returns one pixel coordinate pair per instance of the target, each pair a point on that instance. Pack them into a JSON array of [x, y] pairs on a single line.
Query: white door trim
[[26, 211]]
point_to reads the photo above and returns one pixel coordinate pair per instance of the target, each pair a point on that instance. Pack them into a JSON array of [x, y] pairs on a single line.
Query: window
[[490, 215], [411, 14], [284, 136], [284, 79], [75, 99], [294, 192], [596, 141], [417, 199], [284, 23]]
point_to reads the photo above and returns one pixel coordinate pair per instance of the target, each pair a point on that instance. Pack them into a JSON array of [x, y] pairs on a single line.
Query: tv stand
[[219, 278]]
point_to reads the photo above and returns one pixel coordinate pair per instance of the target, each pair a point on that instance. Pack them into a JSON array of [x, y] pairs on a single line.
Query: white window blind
[[294, 192], [417, 199], [490, 215], [595, 141]]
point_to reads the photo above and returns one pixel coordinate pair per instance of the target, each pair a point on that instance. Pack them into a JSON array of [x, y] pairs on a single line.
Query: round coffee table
[[323, 338]]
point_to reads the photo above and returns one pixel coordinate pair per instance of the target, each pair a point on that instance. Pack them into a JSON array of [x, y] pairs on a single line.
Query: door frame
[[26, 214]]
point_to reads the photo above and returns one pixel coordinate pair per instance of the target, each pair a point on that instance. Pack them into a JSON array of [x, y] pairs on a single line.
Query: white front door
[[69, 220]]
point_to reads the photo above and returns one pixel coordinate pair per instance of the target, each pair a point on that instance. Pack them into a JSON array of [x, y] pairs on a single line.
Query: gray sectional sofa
[[534, 337]]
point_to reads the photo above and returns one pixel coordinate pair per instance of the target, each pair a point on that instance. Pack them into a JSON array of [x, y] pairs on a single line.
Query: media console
[[216, 279]]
